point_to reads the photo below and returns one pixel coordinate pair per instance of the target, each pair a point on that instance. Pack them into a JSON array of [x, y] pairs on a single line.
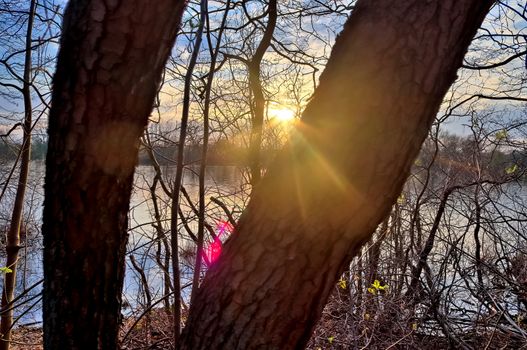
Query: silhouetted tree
[[109, 67]]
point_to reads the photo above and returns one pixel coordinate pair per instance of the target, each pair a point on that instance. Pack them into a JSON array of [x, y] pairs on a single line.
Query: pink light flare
[[213, 250]]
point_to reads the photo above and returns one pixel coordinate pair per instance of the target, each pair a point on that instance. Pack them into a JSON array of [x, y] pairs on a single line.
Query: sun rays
[[281, 114]]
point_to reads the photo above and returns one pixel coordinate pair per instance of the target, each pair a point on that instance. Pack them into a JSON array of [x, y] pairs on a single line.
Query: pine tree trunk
[[338, 177], [109, 68]]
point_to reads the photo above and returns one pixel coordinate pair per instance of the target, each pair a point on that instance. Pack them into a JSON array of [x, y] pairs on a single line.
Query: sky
[[506, 78]]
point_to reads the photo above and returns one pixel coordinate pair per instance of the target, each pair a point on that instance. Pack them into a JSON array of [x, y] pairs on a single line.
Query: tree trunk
[[335, 181], [176, 192], [213, 52], [109, 67], [258, 98], [13, 236]]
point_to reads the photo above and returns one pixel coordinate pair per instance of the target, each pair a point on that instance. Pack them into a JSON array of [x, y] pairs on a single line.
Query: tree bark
[[109, 67], [337, 178]]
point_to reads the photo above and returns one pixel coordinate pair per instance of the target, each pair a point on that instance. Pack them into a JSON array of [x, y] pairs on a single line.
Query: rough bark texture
[[336, 180], [109, 66]]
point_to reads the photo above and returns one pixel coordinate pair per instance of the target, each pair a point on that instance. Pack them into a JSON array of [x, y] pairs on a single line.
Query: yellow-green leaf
[[372, 291], [342, 283], [330, 339], [500, 135], [512, 169], [377, 285], [401, 199], [6, 270]]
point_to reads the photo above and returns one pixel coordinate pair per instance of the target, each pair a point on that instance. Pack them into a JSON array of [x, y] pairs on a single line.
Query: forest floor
[[153, 331], [133, 334], [334, 331], [27, 338]]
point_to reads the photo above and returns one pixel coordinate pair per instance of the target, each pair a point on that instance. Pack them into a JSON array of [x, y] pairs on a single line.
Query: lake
[[225, 183]]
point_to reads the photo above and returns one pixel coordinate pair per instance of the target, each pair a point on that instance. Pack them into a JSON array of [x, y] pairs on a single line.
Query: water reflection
[[224, 182]]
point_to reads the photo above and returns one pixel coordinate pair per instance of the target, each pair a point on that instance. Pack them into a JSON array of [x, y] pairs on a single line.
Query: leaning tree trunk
[[337, 178], [109, 67]]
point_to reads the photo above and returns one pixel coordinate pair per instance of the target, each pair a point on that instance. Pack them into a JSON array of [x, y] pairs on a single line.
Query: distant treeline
[[225, 152], [9, 150], [221, 152], [466, 158]]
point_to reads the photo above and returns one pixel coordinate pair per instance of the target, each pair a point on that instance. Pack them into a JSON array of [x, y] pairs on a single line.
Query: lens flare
[[213, 250]]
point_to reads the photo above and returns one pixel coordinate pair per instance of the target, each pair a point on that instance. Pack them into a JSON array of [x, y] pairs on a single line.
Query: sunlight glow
[[282, 115], [345, 186]]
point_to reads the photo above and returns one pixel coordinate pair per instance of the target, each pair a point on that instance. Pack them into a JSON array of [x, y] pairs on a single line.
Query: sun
[[282, 115]]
